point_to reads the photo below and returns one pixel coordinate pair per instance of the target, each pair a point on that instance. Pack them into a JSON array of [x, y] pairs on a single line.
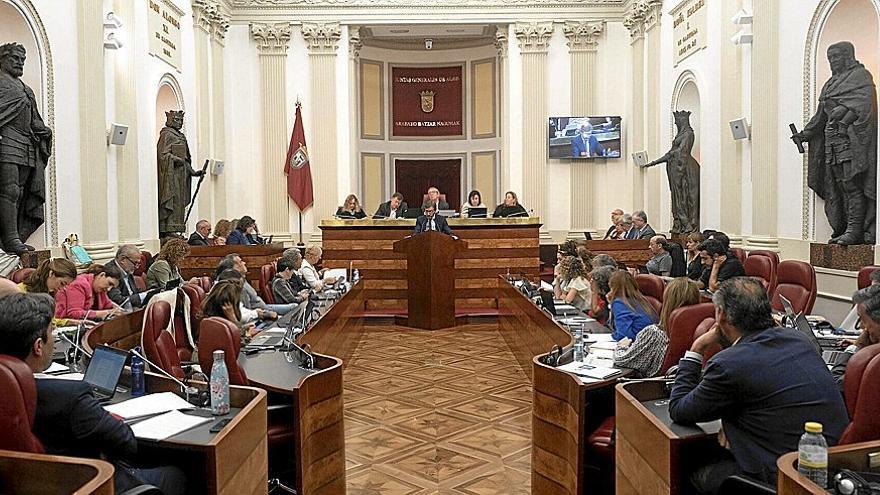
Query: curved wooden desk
[[41, 474], [123, 332], [853, 457], [203, 260]]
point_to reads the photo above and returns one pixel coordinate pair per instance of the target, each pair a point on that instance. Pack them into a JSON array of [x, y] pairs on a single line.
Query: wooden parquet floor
[[445, 412]]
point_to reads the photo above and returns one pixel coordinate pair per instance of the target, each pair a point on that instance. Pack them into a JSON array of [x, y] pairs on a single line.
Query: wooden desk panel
[[41, 474], [853, 457], [494, 246], [122, 332], [632, 253], [203, 260]]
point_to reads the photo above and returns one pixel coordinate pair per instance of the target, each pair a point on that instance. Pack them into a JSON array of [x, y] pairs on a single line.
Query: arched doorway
[[167, 98]]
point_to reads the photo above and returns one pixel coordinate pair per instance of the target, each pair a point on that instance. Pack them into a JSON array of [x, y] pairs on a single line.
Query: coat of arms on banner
[[427, 101], [299, 158]]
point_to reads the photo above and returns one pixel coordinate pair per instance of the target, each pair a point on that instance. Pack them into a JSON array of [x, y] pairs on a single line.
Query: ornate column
[[203, 10], [504, 97], [634, 20], [92, 132], [219, 25], [125, 112], [272, 43], [653, 119], [354, 52], [534, 44], [765, 131], [731, 108], [322, 40], [583, 42]]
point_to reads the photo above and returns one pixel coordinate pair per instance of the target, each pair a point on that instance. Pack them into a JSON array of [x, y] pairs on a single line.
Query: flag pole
[[300, 243]]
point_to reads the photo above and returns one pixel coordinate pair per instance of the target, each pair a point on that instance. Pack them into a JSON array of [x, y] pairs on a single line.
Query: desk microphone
[[78, 338], [307, 360], [519, 214], [193, 395]]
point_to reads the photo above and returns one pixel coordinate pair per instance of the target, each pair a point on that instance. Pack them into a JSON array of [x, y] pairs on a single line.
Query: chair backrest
[[702, 328], [761, 268], [652, 288], [864, 275], [774, 267], [774, 257], [141, 270], [680, 328], [159, 345], [18, 407], [862, 392], [739, 253], [19, 275], [205, 283], [796, 281], [679, 263], [442, 198], [220, 334], [267, 273]]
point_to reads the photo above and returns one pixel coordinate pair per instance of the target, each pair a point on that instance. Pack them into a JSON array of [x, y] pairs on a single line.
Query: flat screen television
[[584, 138]]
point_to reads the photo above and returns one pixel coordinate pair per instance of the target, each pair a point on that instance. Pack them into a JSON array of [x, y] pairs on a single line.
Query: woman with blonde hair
[[645, 354], [351, 208], [221, 230], [694, 262], [572, 285], [630, 311], [510, 207], [164, 269], [50, 276]]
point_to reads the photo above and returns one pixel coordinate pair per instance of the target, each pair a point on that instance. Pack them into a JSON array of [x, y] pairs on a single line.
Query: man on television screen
[[584, 144]]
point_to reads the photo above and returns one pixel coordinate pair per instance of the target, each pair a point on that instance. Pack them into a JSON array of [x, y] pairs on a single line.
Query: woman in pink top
[[86, 297]]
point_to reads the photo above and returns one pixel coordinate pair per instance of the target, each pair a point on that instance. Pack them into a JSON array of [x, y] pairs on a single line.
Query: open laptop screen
[[105, 369]]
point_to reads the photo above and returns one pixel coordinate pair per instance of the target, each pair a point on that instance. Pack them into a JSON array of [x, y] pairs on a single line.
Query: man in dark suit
[[630, 231], [394, 208], [431, 221], [200, 236], [127, 260], [434, 199], [585, 144], [640, 222], [69, 420], [764, 385]]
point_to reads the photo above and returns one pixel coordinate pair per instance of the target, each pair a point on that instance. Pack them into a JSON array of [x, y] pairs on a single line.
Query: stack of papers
[[166, 425], [148, 405], [599, 337], [589, 370], [608, 345], [599, 353]]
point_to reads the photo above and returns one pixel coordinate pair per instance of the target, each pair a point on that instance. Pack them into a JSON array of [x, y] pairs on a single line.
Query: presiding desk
[[41, 474], [854, 457], [632, 253], [495, 245], [653, 454], [565, 408], [203, 260]]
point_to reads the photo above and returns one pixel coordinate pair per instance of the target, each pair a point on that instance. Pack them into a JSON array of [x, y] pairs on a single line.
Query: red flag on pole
[[296, 166]]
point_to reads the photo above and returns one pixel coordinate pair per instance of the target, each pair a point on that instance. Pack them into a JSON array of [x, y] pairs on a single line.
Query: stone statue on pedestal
[[842, 137], [175, 175], [25, 147], [684, 176]]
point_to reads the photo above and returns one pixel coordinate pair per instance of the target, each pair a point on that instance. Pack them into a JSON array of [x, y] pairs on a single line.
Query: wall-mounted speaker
[[740, 129], [117, 134], [217, 167], [640, 158]]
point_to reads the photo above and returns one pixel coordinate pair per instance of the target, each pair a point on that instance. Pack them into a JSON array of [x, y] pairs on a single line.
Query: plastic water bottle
[[813, 454], [137, 374], [578, 343], [219, 385]]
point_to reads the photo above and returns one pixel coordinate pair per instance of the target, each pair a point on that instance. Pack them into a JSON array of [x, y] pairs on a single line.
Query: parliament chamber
[[460, 247]]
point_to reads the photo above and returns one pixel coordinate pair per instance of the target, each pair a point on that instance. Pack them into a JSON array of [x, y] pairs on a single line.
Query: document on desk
[[589, 370], [148, 405], [608, 345], [601, 353], [57, 368], [166, 425], [598, 337], [546, 286]]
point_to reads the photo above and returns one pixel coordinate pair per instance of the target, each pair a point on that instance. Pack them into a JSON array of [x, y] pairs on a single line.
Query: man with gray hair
[[630, 232], [640, 222], [200, 236], [585, 144], [127, 260]]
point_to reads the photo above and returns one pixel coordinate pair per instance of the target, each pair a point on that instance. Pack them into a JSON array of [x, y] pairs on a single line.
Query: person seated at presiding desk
[[763, 386], [661, 261], [599, 286], [221, 230], [434, 199], [245, 233], [224, 301], [393, 208], [69, 420], [627, 230], [694, 260], [645, 354], [430, 220], [351, 208], [200, 236], [572, 285], [640, 222], [510, 207], [630, 311], [867, 302], [475, 200], [86, 297], [165, 269], [313, 277], [612, 231], [718, 265]]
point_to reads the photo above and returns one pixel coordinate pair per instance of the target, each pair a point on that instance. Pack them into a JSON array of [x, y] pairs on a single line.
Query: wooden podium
[[430, 274]]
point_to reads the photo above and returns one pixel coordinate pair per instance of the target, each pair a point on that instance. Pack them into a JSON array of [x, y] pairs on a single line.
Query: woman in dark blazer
[[510, 207]]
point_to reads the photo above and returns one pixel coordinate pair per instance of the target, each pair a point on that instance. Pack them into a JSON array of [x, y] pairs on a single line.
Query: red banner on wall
[[426, 101]]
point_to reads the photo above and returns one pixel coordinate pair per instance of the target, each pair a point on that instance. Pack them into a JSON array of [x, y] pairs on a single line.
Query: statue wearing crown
[[684, 176], [175, 175]]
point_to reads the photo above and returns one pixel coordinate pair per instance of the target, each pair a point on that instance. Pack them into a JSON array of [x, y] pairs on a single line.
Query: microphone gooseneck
[[189, 390]]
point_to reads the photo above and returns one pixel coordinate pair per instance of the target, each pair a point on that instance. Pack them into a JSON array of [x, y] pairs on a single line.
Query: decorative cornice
[[634, 20], [653, 13], [583, 35], [220, 24], [409, 3], [354, 42], [272, 39], [533, 37], [322, 37], [501, 40], [202, 11]]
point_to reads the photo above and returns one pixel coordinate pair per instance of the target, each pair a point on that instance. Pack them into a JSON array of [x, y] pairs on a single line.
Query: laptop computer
[[172, 284], [475, 212], [831, 353], [104, 371], [549, 304], [447, 213], [412, 213], [588, 236]]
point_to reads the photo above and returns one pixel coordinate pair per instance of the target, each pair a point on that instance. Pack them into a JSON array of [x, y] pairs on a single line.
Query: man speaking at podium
[[430, 220]]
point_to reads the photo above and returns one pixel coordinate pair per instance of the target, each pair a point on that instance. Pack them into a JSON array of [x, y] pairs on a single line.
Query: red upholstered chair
[[601, 441], [652, 288], [267, 273], [702, 328], [861, 386], [159, 345], [774, 257], [205, 283], [220, 334], [425, 198], [141, 270], [18, 407], [19, 275], [760, 268], [796, 281], [864, 275], [740, 253], [181, 339], [774, 265], [682, 324]]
